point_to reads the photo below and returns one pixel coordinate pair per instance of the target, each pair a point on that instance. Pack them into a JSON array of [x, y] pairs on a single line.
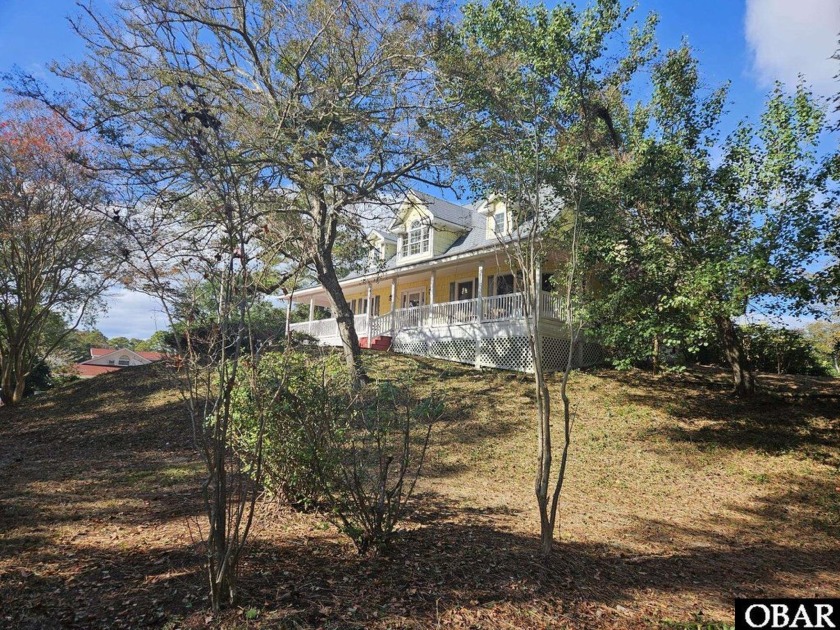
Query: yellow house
[[438, 283]]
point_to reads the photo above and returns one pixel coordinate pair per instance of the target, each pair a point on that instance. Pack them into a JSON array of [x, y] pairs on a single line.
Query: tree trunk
[[19, 390], [544, 457], [7, 388], [655, 355], [344, 318], [546, 493], [221, 574], [743, 379], [325, 231], [12, 386]]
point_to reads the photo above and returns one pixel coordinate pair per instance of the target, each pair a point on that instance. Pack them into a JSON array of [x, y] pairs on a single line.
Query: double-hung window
[[499, 222], [416, 240]]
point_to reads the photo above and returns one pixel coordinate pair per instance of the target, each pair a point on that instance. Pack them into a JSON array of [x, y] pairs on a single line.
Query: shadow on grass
[[461, 561], [449, 561], [704, 414], [122, 453], [102, 588], [456, 564]]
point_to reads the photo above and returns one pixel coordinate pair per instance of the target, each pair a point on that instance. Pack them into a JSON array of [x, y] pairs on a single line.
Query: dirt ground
[[678, 499]]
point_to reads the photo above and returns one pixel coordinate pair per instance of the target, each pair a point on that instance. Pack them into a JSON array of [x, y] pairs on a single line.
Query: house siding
[[443, 239], [360, 294]]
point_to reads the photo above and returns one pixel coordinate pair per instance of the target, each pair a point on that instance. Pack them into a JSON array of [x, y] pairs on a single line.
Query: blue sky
[[750, 43]]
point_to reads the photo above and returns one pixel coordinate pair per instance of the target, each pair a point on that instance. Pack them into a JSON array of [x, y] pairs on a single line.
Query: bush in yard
[[355, 454], [782, 351], [773, 350]]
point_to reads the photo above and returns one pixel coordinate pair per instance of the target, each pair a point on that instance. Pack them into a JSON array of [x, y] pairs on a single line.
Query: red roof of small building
[[95, 370], [151, 356], [98, 352]]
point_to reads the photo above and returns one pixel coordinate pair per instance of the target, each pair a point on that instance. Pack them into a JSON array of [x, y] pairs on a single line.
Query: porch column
[[393, 305], [311, 314], [369, 312], [479, 305], [480, 291], [432, 288]]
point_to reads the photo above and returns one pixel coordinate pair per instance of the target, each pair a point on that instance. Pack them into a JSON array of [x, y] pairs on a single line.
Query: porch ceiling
[[465, 267]]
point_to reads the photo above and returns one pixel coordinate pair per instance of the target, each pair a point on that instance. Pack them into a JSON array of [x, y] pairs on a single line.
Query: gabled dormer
[[383, 247], [498, 220], [426, 227]]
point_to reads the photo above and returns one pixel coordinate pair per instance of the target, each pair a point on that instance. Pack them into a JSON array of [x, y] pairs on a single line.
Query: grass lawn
[[678, 499]]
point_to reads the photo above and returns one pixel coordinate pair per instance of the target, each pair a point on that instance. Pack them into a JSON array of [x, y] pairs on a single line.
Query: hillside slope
[[96, 480], [678, 499]]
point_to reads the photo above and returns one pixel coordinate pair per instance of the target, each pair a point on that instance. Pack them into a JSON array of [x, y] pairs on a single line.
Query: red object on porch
[[379, 343]]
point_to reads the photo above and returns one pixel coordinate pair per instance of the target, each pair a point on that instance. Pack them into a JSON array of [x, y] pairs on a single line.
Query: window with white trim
[[500, 222], [416, 239]]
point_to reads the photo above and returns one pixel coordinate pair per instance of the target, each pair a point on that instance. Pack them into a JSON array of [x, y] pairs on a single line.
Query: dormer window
[[499, 220], [124, 360], [416, 239]]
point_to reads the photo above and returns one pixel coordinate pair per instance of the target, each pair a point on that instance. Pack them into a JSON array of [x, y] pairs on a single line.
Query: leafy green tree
[[631, 312], [156, 343], [122, 342], [538, 88], [825, 335], [52, 263], [742, 217], [79, 342], [781, 350]]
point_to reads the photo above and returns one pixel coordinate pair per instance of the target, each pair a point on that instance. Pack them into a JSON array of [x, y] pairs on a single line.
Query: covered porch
[[499, 308], [469, 293]]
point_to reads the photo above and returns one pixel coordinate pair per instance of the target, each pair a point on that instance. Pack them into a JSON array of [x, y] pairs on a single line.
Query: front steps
[[379, 343]]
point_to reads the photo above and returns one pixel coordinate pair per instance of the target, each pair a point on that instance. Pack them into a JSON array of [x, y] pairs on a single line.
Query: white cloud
[[131, 314], [791, 37]]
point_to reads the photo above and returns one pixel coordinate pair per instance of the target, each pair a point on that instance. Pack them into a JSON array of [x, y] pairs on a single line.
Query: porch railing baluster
[[496, 308]]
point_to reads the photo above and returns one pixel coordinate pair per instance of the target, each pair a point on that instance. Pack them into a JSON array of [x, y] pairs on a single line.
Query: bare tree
[[203, 257], [58, 251], [336, 102]]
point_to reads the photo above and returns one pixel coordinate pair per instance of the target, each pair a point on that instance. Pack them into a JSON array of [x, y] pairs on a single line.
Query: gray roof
[[473, 238], [385, 234], [445, 210]]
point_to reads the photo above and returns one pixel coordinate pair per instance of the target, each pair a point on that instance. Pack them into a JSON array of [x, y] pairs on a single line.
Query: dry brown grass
[[678, 499]]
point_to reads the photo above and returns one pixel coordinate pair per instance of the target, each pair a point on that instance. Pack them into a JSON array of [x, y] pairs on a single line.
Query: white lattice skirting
[[508, 353]]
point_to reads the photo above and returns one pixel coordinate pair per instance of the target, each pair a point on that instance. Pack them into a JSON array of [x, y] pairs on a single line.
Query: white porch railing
[[324, 328], [552, 306], [491, 309], [502, 307]]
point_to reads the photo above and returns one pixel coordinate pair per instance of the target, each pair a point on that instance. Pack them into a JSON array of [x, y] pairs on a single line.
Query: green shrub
[[782, 351], [355, 454], [773, 350]]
